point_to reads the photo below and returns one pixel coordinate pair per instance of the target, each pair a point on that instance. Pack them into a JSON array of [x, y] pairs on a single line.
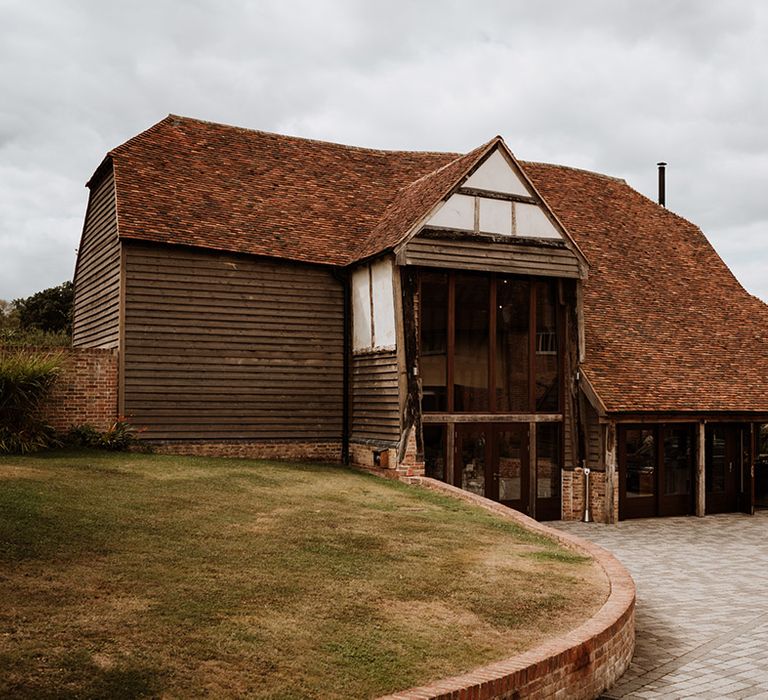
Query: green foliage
[[25, 380], [117, 438], [15, 337], [49, 311]]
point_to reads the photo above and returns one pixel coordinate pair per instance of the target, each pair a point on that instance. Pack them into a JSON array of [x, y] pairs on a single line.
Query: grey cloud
[[608, 85]]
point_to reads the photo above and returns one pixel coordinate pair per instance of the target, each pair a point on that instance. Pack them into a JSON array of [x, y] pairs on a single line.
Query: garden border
[[583, 663]]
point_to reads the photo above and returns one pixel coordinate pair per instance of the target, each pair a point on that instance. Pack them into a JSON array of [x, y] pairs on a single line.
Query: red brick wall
[[573, 496], [293, 451], [85, 391]]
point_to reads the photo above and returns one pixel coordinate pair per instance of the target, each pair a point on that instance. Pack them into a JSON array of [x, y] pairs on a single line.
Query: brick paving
[[702, 604]]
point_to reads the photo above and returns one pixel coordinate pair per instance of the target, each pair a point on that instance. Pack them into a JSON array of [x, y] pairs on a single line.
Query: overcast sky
[[612, 86]]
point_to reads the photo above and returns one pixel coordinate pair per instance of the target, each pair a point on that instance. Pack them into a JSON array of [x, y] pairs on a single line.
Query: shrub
[[118, 437], [25, 337], [26, 377]]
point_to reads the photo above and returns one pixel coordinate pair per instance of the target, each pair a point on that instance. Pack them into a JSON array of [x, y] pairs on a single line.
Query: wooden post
[[609, 444], [532, 472], [701, 488]]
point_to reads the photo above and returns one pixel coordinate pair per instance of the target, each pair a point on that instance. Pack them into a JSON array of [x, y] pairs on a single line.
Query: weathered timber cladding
[[375, 404], [594, 448], [219, 346], [97, 277], [509, 257]]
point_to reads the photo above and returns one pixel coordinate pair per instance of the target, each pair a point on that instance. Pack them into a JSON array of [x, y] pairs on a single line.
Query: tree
[[49, 311]]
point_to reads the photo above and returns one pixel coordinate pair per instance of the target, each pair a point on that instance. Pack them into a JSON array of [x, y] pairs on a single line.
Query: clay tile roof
[[190, 182], [668, 326]]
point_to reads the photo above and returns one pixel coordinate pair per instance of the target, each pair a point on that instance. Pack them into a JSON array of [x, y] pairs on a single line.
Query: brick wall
[[291, 451], [85, 390], [582, 664], [573, 496]]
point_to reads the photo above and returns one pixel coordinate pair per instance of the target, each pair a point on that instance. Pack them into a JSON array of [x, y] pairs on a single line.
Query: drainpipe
[[343, 277], [587, 517]]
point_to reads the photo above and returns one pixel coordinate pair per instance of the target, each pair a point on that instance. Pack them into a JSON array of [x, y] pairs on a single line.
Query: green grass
[[126, 576]]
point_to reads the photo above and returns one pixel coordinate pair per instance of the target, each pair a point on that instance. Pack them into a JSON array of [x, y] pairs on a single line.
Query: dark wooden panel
[[228, 347], [97, 276], [374, 393], [517, 258]]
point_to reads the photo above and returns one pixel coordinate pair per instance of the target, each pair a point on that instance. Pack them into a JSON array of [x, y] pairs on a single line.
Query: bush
[[118, 437], [26, 377], [15, 337]]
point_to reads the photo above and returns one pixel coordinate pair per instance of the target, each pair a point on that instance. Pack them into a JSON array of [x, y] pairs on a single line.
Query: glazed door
[[472, 459], [722, 467], [511, 472], [638, 469], [492, 461]]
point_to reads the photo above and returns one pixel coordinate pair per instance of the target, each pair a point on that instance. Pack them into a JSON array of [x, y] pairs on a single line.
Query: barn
[[497, 324]]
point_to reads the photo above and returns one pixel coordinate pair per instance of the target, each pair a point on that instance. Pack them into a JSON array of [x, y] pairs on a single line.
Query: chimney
[[662, 184]]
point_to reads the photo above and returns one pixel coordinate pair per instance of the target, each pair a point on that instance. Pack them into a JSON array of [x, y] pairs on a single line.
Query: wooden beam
[[488, 194], [611, 476], [532, 472], [701, 487], [492, 417]]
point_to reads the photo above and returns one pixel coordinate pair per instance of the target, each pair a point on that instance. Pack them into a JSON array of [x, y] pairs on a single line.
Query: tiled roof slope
[[191, 182], [669, 328]]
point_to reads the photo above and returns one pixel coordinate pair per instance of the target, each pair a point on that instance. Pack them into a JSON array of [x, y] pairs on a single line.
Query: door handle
[[730, 466]]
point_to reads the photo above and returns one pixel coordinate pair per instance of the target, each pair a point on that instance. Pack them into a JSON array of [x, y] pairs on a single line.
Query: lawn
[[127, 575]]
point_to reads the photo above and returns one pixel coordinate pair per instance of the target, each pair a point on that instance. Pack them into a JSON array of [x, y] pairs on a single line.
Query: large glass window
[[715, 460], [641, 462], [434, 451], [433, 311], [470, 369], [513, 312], [512, 446], [548, 460], [547, 354], [678, 461], [473, 461]]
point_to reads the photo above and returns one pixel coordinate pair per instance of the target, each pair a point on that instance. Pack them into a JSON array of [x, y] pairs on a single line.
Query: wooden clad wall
[[492, 256], [374, 392], [97, 276], [220, 346], [594, 448]]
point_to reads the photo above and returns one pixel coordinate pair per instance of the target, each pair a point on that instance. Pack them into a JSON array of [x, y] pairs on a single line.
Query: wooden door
[[677, 469], [722, 467]]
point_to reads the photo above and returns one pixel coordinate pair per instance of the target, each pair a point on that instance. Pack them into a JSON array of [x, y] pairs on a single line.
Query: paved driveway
[[702, 604]]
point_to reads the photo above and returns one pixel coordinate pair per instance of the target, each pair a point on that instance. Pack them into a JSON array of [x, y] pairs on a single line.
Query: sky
[[612, 86]]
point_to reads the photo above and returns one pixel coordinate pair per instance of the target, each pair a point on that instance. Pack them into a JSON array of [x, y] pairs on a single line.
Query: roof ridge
[[304, 139], [578, 170]]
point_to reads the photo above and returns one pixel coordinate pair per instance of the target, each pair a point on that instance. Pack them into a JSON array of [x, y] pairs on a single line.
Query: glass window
[[678, 461], [434, 451], [715, 460], [433, 309], [470, 364], [512, 334], [548, 460], [547, 351], [511, 445], [641, 462], [473, 462]]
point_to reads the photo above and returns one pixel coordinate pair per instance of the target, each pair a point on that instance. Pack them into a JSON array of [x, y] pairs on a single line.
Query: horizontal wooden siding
[[509, 257], [375, 405], [97, 277], [225, 347]]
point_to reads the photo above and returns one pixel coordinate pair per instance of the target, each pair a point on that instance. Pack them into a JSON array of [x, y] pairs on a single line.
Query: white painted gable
[[496, 175], [532, 222]]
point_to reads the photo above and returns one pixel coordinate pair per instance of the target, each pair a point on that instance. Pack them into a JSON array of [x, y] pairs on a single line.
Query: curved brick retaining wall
[[582, 664]]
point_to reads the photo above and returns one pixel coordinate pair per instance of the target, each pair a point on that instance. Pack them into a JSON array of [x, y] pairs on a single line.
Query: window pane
[[512, 342], [678, 461], [470, 366], [434, 451], [761, 466], [547, 351], [433, 310], [715, 460], [548, 460], [641, 462], [473, 461], [511, 446]]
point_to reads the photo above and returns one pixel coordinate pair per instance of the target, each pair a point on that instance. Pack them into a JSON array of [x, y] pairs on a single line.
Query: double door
[[725, 456], [495, 461]]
